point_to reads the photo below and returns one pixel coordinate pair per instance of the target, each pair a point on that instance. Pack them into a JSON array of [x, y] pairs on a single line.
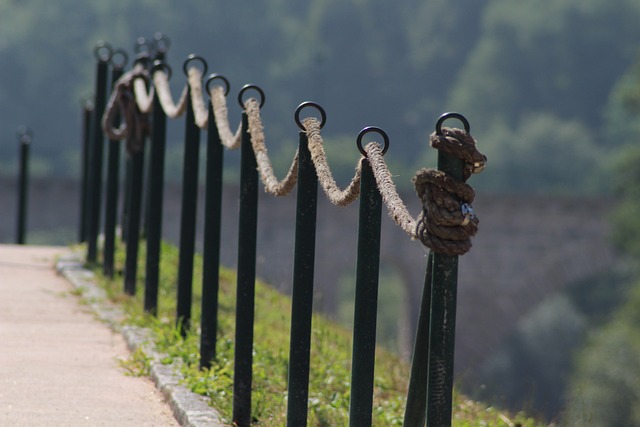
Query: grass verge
[[330, 356]]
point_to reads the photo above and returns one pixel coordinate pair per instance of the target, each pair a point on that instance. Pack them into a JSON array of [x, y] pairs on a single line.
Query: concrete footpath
[[59, 365]]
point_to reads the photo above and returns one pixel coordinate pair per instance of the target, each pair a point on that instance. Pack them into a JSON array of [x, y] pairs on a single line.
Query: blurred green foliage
[[533, 79], [604, 388]]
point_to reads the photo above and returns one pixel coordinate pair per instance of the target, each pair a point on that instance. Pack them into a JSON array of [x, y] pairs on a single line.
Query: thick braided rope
[[144, 98], [447, 221], [194, 77], [219, 103], [267, 176], [396, 207], [325, 177], [171, 109]]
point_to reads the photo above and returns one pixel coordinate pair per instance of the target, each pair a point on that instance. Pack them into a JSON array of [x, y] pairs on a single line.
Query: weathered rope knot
[[447, 221], [134, 124]]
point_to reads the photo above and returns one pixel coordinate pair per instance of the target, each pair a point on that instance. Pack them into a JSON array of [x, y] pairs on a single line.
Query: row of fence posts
[[433, 361]]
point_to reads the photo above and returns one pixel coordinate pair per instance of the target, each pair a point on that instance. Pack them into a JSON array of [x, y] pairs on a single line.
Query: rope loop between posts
[[271, 183], [325, 177]]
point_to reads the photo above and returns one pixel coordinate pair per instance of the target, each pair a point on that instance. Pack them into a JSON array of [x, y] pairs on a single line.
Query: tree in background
[[396, 65], [605, 387]]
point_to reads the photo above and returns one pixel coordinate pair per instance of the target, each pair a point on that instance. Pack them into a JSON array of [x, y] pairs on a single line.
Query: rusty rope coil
[[447, 221], [134, 125]]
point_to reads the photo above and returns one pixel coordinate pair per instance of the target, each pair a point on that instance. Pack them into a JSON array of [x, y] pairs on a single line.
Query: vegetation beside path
[[330, 358]]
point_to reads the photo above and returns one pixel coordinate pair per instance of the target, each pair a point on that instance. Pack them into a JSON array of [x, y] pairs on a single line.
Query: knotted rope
[[447, 221], [134, 125]]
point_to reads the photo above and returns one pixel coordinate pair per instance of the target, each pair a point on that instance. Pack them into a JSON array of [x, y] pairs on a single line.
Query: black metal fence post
[[133, 199], [25, 136], [245, 307], [189, 206], [366, 299], [124, 219], [212, 229], [416, 409], [103, 54], [136, 159], [155, 187], [87, 110], [443, 312], [113, 177], [303, 279]]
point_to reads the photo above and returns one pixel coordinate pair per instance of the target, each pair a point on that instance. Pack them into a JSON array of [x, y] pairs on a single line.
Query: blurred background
[[550, 293]]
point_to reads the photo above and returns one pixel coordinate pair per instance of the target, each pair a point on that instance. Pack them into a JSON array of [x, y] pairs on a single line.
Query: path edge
[[189, 408]]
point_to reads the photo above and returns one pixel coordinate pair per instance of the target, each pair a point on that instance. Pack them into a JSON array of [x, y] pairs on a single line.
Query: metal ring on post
[[161, 42], [142, 46], [103, 51], [323, 115], [87, 103], [119, 65], [370, 129], [25, 134], [446, 116], [213, 77], [246, 88], [162, 66], [190, 59]]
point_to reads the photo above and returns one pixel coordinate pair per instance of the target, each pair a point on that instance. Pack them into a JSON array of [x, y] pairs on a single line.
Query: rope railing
[[445, 224], [428, 227]]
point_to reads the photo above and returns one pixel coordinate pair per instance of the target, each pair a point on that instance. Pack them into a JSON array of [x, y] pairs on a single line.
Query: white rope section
[[200, 112], [271, 183], [144, 98], [171, 109], [396, 207], [219, 103], [325, 177]]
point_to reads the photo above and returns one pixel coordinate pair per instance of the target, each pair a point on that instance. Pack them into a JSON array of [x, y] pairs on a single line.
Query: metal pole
[[188, 218], [87, 110], [155, 197], [113, 172], [103, 53], [124, 220], [25, 136], [303, 281], [443, 318], [211, 245], [366, 298], [245, 307], [416, 409], [136, 159]]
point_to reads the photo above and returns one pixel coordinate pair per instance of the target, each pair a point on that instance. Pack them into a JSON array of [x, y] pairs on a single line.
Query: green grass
[[330, 356]]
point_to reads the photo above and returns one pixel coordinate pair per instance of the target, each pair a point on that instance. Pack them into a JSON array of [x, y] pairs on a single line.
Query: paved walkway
[[58, 364]]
